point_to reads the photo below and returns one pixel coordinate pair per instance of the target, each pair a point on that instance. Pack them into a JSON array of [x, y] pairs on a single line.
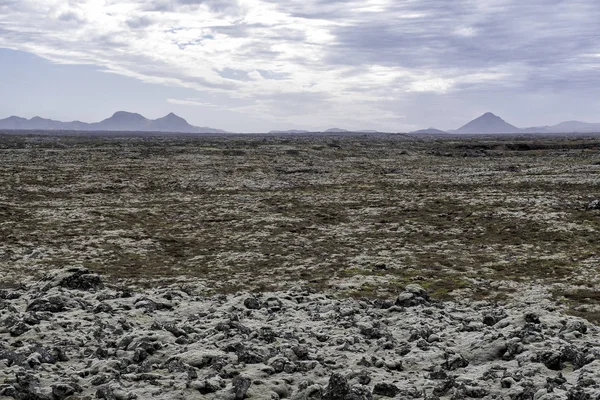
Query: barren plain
[[342, 221], [359, 215]]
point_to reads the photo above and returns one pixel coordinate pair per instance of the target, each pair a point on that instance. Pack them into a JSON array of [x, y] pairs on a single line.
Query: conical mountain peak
[[172, 116], [488, 123]]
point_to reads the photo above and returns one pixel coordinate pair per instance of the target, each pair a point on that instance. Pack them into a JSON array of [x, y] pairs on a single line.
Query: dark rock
[[273, 304], [8, 391], [252, 303], [532, 318], [386, 389], [150, 305], [407, 299], [370, 332], [575, 326], [232, 326], [103, 308], [444, 387], [105, 392], [507, 382], [322, 337], [312, 392], [586, 382], [9, 294], [62, 390], [574, 356], [395, 365], [32, 318], [594, 205], [512, 349], [18, 329], [208, 387], [454, 362], [301, 352], [383, 304], [28, 387], [267, 334], [176, 365], [52, 304], [523, 392], [12, 357], [240, 387], [417, 290], [578, 393], [438, 374], [363, 377], [421, 333], [59, 354], [555, 382], [174, 330], [81, 279], [403, 349], [552, 360], [475, 392], [413, 295], [360, 393], [305, 366], [530, 333], [251, 356], [100, 379], [278, 364], [337, 389], [493, 317]]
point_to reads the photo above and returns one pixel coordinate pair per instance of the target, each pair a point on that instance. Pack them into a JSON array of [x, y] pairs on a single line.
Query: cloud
[[311, 57], [191, 102]]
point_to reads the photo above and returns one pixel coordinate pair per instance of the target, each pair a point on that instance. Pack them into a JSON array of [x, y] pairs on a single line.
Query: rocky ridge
[[68, 336]]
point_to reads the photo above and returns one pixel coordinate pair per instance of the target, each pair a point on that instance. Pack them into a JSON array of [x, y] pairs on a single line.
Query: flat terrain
[[359, 215]]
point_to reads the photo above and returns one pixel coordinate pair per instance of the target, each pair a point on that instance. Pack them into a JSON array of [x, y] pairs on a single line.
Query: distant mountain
[[332, 130], [289, 132], [336, 130], [488, 123], [13, 123], [119, 121], [123, 121], [567, 127], [429, 131]]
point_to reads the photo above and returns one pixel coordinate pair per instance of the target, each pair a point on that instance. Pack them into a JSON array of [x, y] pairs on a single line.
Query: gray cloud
[[139, 22], [219, 6], [315, 57]]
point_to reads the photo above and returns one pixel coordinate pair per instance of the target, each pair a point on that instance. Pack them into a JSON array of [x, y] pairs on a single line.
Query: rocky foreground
[[70, 336]]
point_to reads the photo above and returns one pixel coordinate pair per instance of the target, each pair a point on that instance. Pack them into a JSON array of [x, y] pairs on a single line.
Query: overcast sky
[[257, 65]]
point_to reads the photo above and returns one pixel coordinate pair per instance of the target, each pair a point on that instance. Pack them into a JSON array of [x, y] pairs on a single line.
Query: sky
[[259, 65]]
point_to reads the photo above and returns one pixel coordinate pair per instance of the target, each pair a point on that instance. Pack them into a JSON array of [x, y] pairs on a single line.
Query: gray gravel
[[70, 336]]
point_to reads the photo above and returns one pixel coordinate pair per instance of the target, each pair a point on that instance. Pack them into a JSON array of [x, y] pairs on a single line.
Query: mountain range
[[124, 121], [487, 123], [120, 121], [492, 124]]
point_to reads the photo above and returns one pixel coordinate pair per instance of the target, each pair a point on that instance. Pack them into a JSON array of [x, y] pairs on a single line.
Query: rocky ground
[[318, 267], [68, 335], [356, 215]]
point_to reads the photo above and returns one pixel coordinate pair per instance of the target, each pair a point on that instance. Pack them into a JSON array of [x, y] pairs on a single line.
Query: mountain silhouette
[[428, 131], [120, 121], [123, 121], [488, 123], [567, 127], [289, 132], [171, 122], [336, 130]]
